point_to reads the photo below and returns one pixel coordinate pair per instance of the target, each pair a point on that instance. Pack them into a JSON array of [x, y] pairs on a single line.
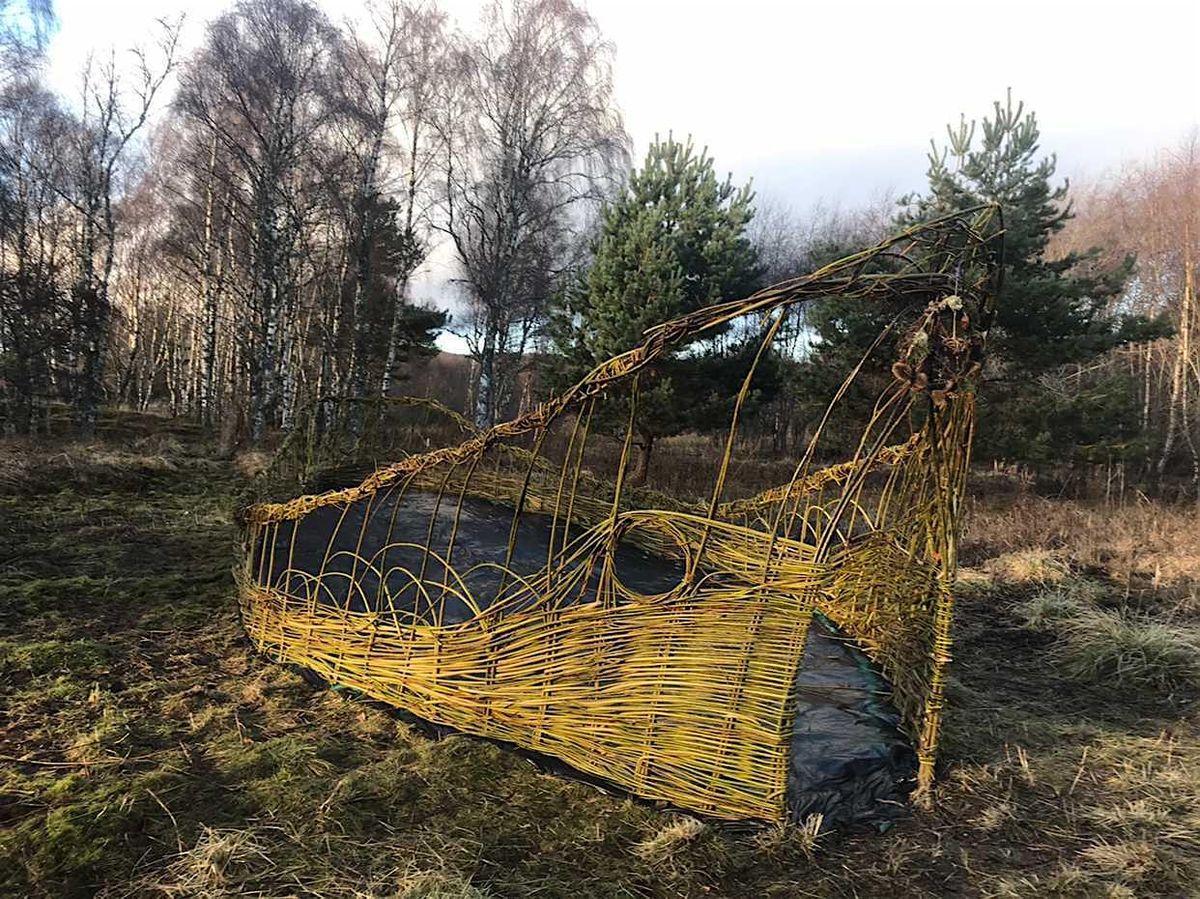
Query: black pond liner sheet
[[849, 762]]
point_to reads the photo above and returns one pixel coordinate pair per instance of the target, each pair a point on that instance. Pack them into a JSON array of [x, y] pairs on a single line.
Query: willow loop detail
[[680, 688]]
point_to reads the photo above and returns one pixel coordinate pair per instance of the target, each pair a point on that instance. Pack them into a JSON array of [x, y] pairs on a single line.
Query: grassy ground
[[146, 750]]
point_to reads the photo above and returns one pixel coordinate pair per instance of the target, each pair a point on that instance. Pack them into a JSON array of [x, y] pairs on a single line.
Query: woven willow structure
[[686, 695]]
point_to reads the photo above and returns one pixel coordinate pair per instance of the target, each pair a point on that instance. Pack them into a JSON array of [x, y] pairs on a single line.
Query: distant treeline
[[232, 236]]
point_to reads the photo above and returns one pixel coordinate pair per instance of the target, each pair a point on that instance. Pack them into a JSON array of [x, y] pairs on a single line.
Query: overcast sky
[[836, 100]]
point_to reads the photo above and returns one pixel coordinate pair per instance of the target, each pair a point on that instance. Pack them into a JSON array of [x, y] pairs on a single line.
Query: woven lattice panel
[[680, 689]]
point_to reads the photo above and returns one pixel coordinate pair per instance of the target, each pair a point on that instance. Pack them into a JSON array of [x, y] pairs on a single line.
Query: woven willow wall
[[686, 695]]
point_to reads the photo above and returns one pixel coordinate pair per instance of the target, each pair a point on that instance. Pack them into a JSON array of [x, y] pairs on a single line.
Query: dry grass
[[1130, 651], [147, 751], [1042, 566], [1124, 861], [669, 839], [1139, 540], [793, 838], [252, 463], [436, 885], [216, 864]]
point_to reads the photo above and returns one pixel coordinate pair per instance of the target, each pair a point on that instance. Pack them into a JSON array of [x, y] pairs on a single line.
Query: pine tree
[[674, 241], [1053, 311], [395, 332]]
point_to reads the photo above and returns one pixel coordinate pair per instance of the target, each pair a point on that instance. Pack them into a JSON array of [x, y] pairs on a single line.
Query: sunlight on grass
[[162, 757]]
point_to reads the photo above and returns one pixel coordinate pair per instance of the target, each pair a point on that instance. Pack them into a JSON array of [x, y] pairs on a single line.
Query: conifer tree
[[674, 241], [1053, 311]]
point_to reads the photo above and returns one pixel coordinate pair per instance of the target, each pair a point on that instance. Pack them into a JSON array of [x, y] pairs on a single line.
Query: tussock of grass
[[995, 816], [1130, 651], [1131, 813], [1112, 646], [1049, 609], [1125, 860], [800, 837], [252, 463], [1068, 882], [1025, 566], [669, 838], [219, 861], [1063, 601]]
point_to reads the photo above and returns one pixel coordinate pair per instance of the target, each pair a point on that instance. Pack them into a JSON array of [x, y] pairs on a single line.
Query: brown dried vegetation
[[145, 750]]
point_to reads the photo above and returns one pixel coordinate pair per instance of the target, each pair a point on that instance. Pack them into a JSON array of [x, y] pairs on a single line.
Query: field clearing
[[146, 750]]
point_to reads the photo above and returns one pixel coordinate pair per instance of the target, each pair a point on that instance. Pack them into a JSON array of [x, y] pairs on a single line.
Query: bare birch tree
[[1152, 210], [260, 87], [112, 112], [530, 132], [388, 90]]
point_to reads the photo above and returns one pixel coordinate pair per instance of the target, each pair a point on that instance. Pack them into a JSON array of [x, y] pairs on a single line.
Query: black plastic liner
[[850, 762]]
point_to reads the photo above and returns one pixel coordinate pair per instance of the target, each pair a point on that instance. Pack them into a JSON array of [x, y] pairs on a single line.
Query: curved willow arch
[[687, 693]]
